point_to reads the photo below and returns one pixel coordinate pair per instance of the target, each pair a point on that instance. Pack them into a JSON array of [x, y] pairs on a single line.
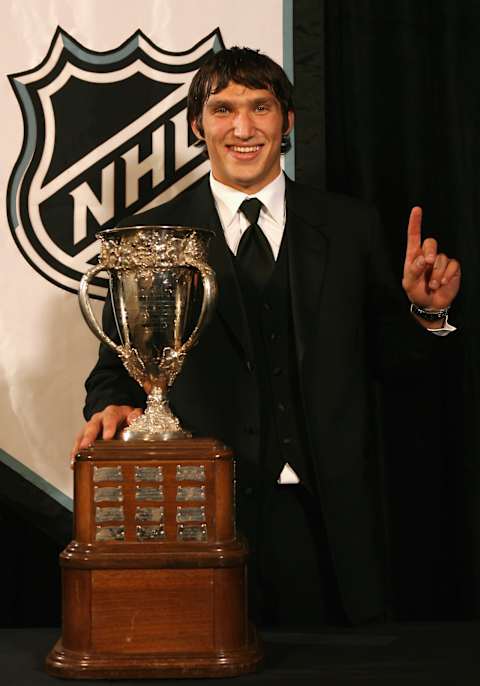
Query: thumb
[[134, 414]]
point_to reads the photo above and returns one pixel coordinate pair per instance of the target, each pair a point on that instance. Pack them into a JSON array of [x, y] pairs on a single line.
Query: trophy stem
[[157, 423]]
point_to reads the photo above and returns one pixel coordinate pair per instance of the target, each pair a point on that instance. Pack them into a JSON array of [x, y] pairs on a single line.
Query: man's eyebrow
[[218, 101], [265, 100]]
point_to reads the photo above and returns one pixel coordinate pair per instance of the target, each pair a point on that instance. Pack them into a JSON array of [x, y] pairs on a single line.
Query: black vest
[[271, 330]]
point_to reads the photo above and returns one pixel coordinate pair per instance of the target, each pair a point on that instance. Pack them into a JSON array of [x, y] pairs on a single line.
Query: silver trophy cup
[[163, 293]]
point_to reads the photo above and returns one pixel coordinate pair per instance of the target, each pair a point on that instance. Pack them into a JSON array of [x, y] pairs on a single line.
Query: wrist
[[430, 315]]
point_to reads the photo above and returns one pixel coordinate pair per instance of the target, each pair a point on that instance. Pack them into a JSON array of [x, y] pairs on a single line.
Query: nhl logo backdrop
[[93, 129], [105, 136]]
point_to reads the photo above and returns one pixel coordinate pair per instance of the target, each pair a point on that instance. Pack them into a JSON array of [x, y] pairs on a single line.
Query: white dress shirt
[[272, 221], [272, 215]]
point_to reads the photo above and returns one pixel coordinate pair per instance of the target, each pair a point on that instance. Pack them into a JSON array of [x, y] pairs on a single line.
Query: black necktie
[[254, 254]]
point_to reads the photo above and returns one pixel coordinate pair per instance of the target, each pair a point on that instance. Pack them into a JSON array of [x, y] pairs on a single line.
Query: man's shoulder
[[182, 206], [331, 206]]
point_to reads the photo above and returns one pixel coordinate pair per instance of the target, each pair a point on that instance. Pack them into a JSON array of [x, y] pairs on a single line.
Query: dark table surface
[[382, 655]]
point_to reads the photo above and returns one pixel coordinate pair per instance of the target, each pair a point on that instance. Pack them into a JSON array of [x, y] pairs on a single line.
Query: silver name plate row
[[192, 532], [191, 493], [108, 493], [148, 473], [107, 473], [150, 533], [149, 514], [109, 514], [149, 493], [190, 514], [190, 473], [110, 533]]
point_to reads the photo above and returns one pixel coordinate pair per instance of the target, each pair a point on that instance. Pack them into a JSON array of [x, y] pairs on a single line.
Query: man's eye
[[221, 110], [262, 108]]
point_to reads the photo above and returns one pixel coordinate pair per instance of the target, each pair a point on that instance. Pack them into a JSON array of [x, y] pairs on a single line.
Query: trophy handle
[[209, 298], [87, 311]]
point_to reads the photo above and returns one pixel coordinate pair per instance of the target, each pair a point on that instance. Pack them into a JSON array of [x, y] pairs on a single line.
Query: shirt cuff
[[287, 476], [445, 330]]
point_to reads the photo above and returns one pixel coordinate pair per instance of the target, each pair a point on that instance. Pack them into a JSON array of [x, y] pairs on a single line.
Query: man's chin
[[251, 180], [249, 185], [245, 177]]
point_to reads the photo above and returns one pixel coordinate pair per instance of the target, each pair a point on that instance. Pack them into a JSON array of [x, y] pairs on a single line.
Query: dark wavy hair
[[247, 67]]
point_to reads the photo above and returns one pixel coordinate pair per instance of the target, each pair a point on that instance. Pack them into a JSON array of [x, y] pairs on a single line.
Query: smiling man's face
[[242, 128]]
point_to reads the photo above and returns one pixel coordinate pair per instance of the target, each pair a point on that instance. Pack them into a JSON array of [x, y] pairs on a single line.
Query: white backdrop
[[46, 350]]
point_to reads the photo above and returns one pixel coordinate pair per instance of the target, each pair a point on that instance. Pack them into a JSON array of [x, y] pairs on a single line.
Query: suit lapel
[[307, 253], [230, 303]]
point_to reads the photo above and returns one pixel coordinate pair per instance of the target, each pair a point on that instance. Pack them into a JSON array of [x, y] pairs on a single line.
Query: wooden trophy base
[[68, 664], [65, 664], [152, 602]]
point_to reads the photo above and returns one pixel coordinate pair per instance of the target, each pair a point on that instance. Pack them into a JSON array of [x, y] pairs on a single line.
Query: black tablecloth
[[383, 655]]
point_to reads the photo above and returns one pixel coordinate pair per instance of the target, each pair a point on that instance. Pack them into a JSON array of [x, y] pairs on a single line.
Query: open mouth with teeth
[[245, 148], [244, 151]]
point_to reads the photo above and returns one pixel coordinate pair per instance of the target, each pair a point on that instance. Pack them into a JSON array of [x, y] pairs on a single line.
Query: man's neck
[[250, 191]]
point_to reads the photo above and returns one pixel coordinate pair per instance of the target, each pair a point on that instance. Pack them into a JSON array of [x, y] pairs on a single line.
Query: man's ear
[[197, 130], [291, 121]]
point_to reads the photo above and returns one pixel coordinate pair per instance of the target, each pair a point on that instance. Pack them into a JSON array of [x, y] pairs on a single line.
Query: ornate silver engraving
[[157, 418], [150, 248]]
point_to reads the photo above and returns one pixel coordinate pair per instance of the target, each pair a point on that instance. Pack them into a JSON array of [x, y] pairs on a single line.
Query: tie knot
[[251, 209]]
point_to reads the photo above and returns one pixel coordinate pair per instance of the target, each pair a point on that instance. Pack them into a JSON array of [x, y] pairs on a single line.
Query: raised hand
[[430, 279]]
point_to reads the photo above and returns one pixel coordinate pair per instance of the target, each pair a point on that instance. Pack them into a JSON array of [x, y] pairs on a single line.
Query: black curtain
[[394, 120], [34, 529]]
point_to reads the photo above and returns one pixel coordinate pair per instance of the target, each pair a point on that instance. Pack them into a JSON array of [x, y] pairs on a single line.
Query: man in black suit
[[308, 313]]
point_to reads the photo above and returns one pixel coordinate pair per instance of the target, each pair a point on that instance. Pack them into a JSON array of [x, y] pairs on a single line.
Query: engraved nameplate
[[190, 473], [192, 532], [148, 473], [149, 514], [150, 533], [109, 514], [149, 493], [110, 533], [190, 493], [191, 514], [114, 493], [107, 473]]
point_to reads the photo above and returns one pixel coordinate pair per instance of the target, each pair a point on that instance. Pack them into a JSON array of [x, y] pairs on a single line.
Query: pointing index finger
[[414, 234]]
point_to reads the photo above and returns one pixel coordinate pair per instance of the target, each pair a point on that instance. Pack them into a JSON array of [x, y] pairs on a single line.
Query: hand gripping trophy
[[154, 582]]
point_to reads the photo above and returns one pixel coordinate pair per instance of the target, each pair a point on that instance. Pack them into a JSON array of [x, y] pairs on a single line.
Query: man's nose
[[243, 125]]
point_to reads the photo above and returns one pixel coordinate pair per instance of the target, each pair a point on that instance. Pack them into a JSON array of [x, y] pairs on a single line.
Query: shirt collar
[[228, 199]]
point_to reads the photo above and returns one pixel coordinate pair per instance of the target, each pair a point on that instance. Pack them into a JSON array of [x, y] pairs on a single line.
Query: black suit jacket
[[351, 323]]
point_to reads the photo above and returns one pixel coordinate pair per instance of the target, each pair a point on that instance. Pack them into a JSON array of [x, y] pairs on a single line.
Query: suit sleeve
[[109, 382]]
